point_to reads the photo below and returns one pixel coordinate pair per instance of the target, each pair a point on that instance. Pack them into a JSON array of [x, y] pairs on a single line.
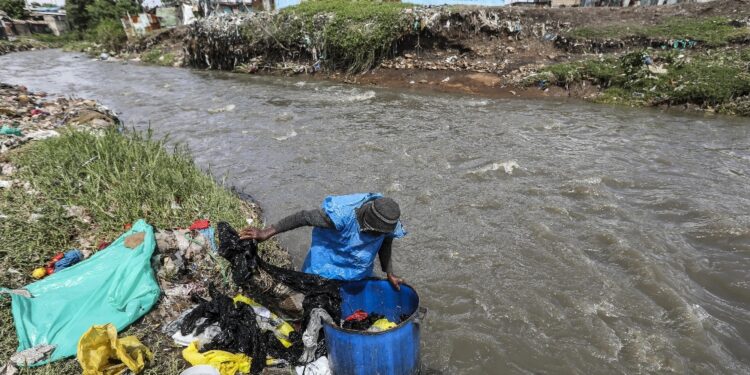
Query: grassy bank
[[21, 44], [80, 189], [705, 32], [338, 34], [711, 79]]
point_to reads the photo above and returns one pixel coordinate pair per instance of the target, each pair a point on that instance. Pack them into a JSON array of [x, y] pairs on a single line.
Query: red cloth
[[357, 316], [200, 224]]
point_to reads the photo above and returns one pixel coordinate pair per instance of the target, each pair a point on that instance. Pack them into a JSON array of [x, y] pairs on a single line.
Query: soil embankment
[[488, 51]]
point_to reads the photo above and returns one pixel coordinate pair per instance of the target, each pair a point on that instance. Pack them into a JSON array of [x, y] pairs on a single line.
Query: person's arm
[[384, 254], [313, 218]]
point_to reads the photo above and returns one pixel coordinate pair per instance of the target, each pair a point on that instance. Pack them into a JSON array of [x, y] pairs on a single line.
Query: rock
[[5, 184]]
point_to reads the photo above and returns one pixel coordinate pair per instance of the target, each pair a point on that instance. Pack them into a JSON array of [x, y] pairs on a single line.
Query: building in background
[[53, 17]]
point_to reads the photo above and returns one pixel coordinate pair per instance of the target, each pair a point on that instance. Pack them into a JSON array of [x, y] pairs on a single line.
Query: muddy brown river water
[[546, 237]]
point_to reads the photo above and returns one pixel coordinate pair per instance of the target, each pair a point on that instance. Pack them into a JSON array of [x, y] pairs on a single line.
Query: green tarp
[[116, 285]]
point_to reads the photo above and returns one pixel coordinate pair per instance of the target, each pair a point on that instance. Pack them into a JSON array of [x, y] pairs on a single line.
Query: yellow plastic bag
[[382, 325], [99, 349], [281, 329], [227, 363]]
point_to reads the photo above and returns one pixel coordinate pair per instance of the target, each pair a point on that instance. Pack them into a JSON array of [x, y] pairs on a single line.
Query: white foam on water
[[589, 181], [227, 108], [508, 167], [286, 136], [394, 186], [361, 97]]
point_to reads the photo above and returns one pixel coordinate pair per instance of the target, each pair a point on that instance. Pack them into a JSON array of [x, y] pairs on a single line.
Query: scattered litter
[[310, 337], [27, 116], [132, 241], [319, 367], [227, 363], [70, 258], [32, 355], [201, 370], [100, 352], [9, 369], [656, 69], [115, 285], [203, 338], [7, 169], [7, 130], [5, 184]]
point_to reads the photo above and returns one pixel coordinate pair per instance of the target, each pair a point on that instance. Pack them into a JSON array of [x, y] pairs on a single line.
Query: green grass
[[354, 35], [117, 178], [708, 78], [711, 32], [158, 57], [55, 41]]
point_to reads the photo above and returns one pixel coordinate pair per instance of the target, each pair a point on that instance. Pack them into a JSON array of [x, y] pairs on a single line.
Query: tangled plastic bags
[[116, 285], [99, 352]]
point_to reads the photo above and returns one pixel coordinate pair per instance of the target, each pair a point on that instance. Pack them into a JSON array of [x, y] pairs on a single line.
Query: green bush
[[110, 34], [14, 8], [352, 34]]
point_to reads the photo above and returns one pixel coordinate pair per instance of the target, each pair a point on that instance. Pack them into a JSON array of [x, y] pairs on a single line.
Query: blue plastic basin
[[391, 352]]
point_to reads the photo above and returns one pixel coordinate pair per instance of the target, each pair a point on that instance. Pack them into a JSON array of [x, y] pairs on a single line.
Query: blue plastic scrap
[[116, 285], [70, 258]]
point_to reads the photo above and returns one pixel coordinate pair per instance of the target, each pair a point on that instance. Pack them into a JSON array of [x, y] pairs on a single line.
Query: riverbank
[[19, 45], [485, 51], [700, 50], [72, 180]]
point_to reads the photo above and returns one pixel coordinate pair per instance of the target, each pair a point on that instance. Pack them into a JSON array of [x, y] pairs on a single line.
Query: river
[[545, 236]]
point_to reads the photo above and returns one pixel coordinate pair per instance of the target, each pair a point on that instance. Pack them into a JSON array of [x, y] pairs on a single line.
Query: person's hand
[[395, 281], [259, 235]]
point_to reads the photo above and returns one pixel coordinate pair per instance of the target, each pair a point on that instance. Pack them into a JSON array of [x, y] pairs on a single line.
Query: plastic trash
[[382, 325], [227, 363], [201, 370], [116, 285], [269, 320], [100, 352], [310, 337], [319, 367], [7, 130], [70, 258], [32, 355]]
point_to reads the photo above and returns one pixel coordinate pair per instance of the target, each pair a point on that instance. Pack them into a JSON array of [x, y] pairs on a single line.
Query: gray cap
[[379, 215]]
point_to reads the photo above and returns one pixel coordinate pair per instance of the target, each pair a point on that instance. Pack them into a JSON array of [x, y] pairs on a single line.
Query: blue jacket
[[345, 253]]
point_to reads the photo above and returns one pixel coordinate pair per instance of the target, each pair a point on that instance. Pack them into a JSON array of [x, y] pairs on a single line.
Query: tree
[[101, 10], [14, 8], [77, 15]]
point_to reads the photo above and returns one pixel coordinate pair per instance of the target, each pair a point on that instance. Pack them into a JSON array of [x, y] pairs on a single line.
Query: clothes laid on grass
[[116, 285]]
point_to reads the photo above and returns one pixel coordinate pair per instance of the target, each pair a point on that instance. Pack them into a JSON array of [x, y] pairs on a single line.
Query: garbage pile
[[261, 316], [281, 41], [26, 116]]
